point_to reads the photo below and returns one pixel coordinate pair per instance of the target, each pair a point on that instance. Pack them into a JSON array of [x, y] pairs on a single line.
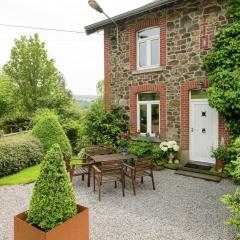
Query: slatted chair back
[[143, 164], [111, 168]]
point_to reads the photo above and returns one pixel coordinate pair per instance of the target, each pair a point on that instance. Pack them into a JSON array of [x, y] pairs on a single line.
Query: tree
[[53, 201], [100, 88], [8, 101], [38, 83], [223, 68]]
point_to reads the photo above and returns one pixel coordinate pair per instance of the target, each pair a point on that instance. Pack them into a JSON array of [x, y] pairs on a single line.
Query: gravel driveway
[[181, 208]]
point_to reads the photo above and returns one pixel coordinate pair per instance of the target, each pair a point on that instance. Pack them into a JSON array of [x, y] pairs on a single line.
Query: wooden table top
[[112, 157]]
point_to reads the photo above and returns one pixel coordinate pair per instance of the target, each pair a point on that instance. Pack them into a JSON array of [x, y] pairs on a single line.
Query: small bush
[[53, 201], [158, 156], [104, 127], [233, 204], [49, 131], [140, 148], [17, 153], [72, 129], [233, 154]]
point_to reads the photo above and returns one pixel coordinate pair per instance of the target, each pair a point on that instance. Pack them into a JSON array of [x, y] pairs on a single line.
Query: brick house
[[157, 75]]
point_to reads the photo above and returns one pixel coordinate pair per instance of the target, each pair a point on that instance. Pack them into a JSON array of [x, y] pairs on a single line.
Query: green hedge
[[18, 153], [49, 131]]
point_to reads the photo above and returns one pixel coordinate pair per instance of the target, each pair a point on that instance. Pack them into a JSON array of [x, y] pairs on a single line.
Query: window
[[148, 45], [148, 113]]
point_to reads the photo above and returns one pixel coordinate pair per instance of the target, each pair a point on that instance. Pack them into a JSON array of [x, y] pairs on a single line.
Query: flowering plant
[[170, 149]]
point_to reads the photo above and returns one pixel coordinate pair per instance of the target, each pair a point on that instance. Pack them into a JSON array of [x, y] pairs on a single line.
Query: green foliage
[[49, 131], [31, 81], [8, 101], [17, 153], [104, 127], [233, 204], [234, 10], [223, 68], [236, 170], [72, 129], [158, 156], [220, 153], [15, 123], [53, 201], [233, 153], [140, 148]]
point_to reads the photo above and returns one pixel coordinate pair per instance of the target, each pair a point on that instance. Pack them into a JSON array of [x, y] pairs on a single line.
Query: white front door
[[203, 131]]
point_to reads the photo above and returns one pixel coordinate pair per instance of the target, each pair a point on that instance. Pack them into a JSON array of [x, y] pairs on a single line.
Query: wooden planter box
[[76, 228]]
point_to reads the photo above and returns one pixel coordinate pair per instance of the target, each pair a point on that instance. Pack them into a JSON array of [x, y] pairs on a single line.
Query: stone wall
[[184, 28]]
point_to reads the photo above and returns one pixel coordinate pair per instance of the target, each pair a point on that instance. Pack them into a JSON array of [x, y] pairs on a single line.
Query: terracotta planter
[[219, 165], [76, 228]]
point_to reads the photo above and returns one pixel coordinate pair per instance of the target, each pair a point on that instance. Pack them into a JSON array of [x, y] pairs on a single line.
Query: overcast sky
[[77, 56]]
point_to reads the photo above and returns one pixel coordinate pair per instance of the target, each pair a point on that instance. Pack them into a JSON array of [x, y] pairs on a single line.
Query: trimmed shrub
[[53, 201], [49, 131], [19, 152]]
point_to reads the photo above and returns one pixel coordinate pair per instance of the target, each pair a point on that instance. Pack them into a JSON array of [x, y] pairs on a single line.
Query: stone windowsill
[[149, 70]]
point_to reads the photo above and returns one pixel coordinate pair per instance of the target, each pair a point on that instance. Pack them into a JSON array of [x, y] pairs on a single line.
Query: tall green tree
[[38, 83], [223, 68], [8, 101]]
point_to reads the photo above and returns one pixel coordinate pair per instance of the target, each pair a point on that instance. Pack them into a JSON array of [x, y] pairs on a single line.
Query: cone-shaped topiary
[[49, 131], [53, 201]]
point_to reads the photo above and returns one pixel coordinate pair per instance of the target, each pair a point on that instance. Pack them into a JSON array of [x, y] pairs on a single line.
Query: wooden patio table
[[112, 157]]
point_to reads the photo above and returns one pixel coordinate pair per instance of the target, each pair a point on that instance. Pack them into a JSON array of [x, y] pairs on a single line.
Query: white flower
[[163, 144], [164, 149], [176, 148]]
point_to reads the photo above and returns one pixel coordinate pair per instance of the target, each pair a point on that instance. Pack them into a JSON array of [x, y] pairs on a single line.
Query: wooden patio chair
[[111, 171], [142, 167], [82, 166]]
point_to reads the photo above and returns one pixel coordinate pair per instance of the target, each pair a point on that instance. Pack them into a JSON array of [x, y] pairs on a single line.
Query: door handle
[[203, 130]]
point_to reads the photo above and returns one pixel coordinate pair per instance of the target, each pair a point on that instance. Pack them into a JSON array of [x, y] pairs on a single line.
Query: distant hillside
[[85, 100]]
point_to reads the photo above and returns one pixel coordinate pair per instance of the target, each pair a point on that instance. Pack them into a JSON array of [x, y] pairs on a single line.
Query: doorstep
[[204, 176]]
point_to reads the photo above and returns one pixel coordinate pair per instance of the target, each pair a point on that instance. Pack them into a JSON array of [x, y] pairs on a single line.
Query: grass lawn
[[27, 175]]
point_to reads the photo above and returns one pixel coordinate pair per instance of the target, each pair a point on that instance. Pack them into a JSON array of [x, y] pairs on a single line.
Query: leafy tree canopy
[[37, 82]]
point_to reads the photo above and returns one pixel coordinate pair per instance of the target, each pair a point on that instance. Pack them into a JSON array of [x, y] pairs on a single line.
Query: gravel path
[[181, 208]]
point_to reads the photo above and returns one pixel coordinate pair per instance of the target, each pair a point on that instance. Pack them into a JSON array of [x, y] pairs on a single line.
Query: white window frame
[[149, 55], [149, 115]]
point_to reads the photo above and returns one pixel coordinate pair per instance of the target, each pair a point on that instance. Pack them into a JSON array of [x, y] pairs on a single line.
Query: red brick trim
[[134, 90], [162, 23], [185, 88], [107, 72]]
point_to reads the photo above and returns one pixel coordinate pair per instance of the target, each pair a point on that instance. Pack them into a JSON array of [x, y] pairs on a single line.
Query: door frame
[[216, 140]]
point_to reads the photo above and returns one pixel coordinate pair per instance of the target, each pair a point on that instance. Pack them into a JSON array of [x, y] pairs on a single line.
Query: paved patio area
[[181, 208]]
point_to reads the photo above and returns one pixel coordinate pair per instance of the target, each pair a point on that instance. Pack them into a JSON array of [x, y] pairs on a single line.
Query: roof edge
[[150, 6]]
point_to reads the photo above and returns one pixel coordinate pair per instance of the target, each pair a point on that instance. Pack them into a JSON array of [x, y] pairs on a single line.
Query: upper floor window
[[148, 46]]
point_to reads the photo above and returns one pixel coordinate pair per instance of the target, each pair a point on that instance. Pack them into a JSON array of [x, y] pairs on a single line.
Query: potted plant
[[123, 144], [221, 155], [170, 148], [53, 213]]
